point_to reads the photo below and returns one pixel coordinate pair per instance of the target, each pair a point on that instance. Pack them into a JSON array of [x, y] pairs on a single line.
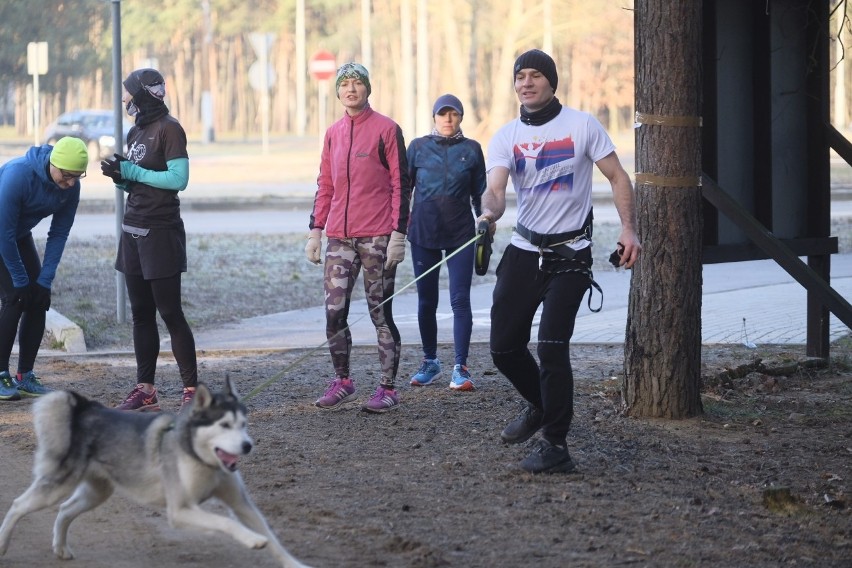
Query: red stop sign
[[322, 65]]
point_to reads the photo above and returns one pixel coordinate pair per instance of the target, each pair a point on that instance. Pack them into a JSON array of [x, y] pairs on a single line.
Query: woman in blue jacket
[[45, 182], [448, 174]]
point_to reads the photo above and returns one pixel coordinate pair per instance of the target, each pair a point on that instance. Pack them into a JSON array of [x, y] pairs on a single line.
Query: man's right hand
[[314, 246], [488, 218], [21, 296], [39, 297]]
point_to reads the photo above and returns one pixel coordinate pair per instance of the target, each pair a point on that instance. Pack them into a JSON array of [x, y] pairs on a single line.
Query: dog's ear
[[203, 396], [229, 386]]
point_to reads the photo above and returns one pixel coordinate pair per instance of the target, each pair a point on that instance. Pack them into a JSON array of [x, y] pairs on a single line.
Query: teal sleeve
[[175, 178]]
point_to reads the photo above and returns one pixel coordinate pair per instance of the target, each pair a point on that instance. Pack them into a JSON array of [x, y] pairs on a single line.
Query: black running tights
[[163, 295], [31, 328]]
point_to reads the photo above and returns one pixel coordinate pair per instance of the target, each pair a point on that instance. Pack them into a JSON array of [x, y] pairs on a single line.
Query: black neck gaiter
[[542, 116], [151, 113]]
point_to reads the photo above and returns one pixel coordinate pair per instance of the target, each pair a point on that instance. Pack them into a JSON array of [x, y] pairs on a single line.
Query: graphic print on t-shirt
[[550, 161], [136, 152]]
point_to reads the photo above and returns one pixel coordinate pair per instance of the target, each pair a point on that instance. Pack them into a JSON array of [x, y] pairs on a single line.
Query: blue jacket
[[448, 175], [28, 195]]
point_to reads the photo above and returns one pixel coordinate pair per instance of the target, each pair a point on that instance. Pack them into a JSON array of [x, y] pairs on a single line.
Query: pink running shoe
[[385, 399], [340, 391], [186, 398], [140, 401]]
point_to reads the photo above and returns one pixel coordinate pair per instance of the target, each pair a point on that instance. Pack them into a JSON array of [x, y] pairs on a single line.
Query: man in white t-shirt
[[550, 153]]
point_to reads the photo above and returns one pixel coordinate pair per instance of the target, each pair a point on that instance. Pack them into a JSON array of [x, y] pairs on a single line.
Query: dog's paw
[[256, 541], [63, 552]]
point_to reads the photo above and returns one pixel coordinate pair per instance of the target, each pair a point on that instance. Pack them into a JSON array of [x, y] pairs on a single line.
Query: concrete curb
[[65, 332]]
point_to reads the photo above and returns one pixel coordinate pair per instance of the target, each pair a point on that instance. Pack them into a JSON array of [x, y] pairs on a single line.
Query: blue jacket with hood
[[28, 195]]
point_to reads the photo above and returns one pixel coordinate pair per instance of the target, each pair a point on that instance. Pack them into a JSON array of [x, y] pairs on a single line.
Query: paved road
[[742, 302], [754, 301]]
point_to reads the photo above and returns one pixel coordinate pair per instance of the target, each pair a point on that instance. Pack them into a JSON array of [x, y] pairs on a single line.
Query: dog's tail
[[53, 420]]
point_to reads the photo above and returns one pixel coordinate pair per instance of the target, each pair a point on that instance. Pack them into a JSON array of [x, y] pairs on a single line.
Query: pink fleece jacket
[[363, 188]]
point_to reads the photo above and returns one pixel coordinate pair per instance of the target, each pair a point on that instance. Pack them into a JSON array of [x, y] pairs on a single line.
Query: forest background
[[415, 51]]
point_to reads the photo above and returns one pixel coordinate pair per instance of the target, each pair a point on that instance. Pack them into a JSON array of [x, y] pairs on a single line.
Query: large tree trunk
[[663, 344]]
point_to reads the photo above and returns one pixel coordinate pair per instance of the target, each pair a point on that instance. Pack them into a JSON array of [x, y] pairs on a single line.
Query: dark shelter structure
[[766, 137]]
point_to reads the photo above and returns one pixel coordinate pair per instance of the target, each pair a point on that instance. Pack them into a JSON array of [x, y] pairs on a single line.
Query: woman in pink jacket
[[362, 203]]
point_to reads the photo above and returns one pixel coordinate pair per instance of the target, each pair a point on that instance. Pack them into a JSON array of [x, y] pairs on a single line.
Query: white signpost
[[321, 67], [262, 78], [36, 65]]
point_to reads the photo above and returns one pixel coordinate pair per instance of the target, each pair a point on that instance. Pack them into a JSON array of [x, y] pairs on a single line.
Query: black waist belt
[[557, 241]]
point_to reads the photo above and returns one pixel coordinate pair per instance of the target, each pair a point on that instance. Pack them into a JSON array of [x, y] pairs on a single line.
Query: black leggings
[[147, 297], [31, 329], [520, 289]]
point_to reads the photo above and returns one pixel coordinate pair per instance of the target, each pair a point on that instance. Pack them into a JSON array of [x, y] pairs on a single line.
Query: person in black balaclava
[[147, 89], [152, 248]]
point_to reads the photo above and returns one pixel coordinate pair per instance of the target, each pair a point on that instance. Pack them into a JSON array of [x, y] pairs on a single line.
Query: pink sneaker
[[385, 399], [140, 401], [340, 391], [186, 398]]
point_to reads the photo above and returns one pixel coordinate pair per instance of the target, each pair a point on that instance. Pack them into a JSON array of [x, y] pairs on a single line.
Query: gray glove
[[314, 246], [396, 250]]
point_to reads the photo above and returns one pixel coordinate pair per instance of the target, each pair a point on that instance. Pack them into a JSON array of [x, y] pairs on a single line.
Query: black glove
[[111, 168], [20, 296], [39, 297]]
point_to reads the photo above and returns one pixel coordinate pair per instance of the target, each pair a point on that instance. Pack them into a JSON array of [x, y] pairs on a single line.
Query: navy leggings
[[520, 289], [147, 297], [460, 268], [31, 322]]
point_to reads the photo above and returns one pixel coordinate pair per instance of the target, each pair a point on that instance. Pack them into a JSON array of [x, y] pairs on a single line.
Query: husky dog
[[85, 451]]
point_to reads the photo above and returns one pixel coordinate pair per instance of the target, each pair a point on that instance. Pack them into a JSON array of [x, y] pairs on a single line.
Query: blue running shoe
[[461, 380], [427, 372], [30, 385], [8, 390]]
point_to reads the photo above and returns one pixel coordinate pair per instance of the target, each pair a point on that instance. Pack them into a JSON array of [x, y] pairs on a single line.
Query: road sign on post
[[322, 67], [36, 65]]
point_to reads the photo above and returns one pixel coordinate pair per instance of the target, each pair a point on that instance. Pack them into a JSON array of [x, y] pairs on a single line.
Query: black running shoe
[[548, 458], [523, 427]]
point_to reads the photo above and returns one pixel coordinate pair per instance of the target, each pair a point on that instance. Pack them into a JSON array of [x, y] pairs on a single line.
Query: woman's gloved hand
[[111, 168], [396, 250], [314, 246]]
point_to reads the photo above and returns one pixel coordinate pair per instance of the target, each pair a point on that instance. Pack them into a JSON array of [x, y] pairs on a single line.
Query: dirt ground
[[761, 479]]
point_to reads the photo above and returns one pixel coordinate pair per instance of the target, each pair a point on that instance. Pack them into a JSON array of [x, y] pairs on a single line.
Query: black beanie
[[541, 62]]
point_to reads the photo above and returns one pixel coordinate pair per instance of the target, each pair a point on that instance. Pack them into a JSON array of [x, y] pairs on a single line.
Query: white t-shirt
[[551, 168]]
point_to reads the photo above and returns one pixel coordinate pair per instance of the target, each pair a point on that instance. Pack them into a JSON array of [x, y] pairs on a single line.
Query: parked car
[[95, 127]]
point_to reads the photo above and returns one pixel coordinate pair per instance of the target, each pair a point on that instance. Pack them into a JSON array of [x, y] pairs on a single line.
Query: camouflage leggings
[[344, 258]]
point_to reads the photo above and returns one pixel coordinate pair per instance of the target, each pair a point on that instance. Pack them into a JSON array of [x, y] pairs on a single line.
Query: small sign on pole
[[36, 65], [262, 78], [322, 67]]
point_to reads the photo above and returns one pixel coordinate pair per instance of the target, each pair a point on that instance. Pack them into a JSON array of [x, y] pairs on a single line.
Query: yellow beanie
[[70, 154]]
